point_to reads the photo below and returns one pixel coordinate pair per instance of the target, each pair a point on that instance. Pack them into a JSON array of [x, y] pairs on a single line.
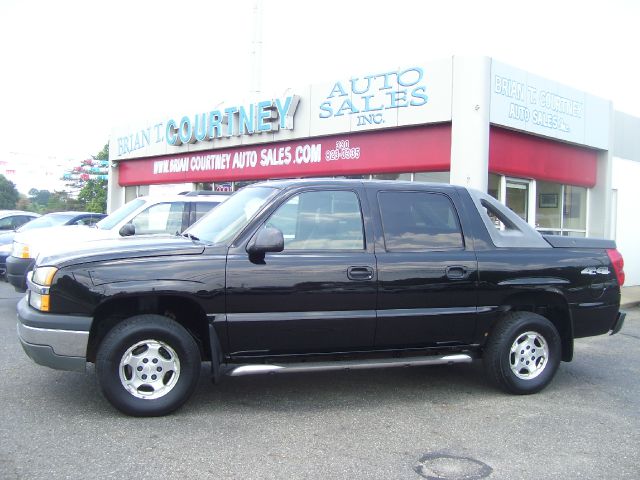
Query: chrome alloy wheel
[[149, 369], [529, 355]]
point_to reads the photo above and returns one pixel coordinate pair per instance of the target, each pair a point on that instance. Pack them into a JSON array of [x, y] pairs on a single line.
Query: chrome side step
[[242, 370]]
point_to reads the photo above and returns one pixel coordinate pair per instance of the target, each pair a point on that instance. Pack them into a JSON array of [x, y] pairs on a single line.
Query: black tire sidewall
[[132, 331], [517, 326]]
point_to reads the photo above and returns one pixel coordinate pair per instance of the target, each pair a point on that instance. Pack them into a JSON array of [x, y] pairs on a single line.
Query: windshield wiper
[[191, 237]]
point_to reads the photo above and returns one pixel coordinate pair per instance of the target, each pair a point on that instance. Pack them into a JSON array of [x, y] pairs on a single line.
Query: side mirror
[[127, 230], [268, 239]]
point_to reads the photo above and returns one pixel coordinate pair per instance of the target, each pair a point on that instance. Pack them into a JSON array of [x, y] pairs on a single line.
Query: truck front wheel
[[148, 365], [522, 353]]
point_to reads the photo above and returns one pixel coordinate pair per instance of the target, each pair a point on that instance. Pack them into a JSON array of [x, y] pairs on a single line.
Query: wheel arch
[[184, 310], [552, 305]]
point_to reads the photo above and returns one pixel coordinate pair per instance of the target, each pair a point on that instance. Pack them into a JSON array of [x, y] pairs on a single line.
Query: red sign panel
[[528, 156], [415, 149]]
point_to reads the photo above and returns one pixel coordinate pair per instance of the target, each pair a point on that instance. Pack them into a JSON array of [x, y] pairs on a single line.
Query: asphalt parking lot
[[410, 423]]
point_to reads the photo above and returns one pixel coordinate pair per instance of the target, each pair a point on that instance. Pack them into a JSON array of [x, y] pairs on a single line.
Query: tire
[[523, 353], [148, 365]]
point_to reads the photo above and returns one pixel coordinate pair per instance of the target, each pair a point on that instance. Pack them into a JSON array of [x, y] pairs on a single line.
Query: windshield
[[110, 221], [225, 221], [47, 221]]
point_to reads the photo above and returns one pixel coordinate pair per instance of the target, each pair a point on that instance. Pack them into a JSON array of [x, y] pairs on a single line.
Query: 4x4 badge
[[595, 271]]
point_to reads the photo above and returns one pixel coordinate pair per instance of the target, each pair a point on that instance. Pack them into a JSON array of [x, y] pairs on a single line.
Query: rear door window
[[416, 221]]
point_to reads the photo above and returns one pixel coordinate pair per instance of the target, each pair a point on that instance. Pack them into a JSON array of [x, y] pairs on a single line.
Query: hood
[[120, 248], [54, 238]]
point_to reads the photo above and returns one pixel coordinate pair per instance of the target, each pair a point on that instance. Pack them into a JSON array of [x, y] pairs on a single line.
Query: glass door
[[517, 197]]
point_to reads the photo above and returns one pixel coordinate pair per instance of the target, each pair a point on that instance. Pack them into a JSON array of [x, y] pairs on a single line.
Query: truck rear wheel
[[148, 365], [523, 353]]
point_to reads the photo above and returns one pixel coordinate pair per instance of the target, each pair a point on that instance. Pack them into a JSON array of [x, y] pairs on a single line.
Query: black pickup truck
[[293, 276]]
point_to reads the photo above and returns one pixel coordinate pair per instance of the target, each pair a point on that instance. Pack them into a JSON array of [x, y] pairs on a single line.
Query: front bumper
[[56, 341], [17, 269]]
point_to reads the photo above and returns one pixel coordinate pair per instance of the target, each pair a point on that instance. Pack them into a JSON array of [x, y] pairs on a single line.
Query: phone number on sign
[[342, 152]]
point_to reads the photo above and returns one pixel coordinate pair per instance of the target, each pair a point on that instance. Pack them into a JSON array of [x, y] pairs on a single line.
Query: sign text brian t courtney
[[234, 121]]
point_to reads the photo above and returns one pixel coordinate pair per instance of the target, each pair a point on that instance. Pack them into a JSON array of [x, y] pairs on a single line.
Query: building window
[[549, 207], [241, 184], [433, 177], [493, 187], [392, 176], [574, 211], [206, 186], [135, 191], [559, 209], [517, 193]]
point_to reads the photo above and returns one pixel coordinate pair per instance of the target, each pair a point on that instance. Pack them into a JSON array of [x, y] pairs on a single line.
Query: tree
[[94, 196], [8, 193], [61, 202], [39, 197], [90, 177], [103, 154], [24, 203]]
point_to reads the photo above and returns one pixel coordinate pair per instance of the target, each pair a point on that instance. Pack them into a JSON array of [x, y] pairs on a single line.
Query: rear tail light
[[618, 264]]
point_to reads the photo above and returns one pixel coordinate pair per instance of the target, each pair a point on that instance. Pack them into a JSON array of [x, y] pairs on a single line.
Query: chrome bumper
[[59, 347], [67, 343]]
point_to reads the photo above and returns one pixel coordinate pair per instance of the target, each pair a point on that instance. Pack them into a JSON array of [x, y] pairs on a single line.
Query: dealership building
[[564, 160]]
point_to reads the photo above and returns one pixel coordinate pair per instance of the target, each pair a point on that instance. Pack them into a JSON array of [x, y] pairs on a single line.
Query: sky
[[73, 70]]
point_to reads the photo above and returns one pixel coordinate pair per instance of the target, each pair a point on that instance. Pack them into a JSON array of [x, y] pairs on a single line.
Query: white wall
[[470, 122], [626, 174]]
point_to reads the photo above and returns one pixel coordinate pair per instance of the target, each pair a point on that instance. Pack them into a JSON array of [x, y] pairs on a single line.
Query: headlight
[[39, 301], [20, 250], [39, 282], [43, 276]]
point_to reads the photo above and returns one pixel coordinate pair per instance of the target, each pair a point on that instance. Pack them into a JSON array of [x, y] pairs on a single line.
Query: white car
[[166, 214]]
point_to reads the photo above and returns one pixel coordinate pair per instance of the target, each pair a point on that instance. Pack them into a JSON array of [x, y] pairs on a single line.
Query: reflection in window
[[160, 218], [416, 221], [202, 208], [320, 220]]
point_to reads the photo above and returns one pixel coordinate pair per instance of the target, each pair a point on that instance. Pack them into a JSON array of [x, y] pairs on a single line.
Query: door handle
[[360, 273], [457, 272]]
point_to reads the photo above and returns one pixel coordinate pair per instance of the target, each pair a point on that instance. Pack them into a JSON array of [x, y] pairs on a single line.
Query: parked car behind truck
[[46, 221], [148, 215], [293, 276]]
